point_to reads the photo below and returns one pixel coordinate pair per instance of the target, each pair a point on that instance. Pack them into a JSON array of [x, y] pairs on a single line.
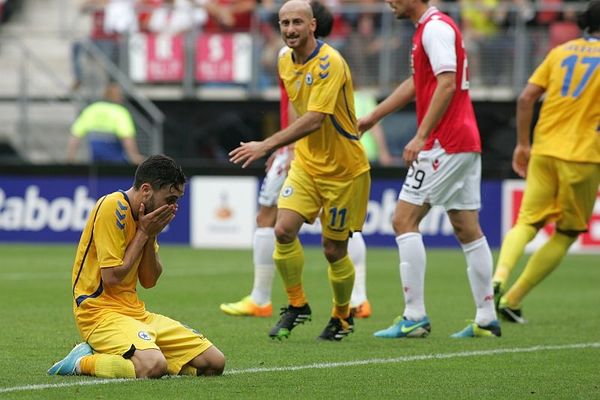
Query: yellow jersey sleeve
[[329, 76], [110, 232]]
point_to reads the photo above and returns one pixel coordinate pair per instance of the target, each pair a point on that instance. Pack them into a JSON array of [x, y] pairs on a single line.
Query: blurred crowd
[[496, 32], [488, 27]]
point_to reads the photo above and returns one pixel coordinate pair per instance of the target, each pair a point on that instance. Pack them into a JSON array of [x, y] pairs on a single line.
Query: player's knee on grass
[[149, 363], [209, 363]]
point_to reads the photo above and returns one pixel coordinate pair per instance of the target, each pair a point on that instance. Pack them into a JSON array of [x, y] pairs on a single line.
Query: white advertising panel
[[223, 211]]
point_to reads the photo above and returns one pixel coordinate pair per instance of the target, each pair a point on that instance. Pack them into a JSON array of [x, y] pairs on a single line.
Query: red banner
[[156, 58], [224, 58]]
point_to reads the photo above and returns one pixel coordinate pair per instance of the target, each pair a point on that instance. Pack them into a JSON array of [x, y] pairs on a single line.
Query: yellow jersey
[[109, 230], [324, 84], [569, 124]]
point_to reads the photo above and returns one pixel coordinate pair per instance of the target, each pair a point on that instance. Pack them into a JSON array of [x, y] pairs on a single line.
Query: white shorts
[[441, 179], [271, 185]]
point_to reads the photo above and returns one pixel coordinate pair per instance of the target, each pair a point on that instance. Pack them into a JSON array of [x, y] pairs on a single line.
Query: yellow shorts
[[344, 203], [122, 335], [560, 191]]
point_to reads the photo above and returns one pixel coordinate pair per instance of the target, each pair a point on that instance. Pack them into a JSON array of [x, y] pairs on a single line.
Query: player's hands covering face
[[153, 223]]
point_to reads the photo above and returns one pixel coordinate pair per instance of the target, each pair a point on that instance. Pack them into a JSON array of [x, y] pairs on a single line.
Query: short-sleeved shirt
[[324, 84], [438, 47], [104, 124], [109, 230], [569, 124]]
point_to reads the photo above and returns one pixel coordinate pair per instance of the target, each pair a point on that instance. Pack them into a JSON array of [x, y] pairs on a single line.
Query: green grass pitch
[[556, 355]]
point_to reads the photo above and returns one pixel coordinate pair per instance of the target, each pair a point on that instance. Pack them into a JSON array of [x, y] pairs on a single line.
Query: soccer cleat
[[474, 330], [401, 328], [67, 366], [498, 293], [362, 311], [290, 317], [247, 308], [337, 329], [510, 314]]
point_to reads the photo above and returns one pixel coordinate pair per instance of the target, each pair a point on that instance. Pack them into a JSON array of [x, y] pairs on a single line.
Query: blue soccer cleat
[[473, 330], [401, 328], [67, 365]]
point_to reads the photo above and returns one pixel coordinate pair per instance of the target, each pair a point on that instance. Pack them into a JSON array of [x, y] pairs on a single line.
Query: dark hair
[[159, 171], [323, 17], [589, 20]]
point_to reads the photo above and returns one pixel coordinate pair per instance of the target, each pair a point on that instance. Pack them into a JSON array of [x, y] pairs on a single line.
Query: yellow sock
[[188, 370], [296, 295], [512, 249], [107, 366], [289, 260], [540, 265], [341, 279]]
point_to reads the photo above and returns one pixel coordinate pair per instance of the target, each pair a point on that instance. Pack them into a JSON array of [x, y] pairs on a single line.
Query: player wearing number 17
[[444, 163], [562, 167]]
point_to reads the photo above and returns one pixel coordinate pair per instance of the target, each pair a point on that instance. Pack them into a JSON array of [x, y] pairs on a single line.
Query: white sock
[[264, 267], [479, 270], [357, 250], [78, 366], [412, 274]]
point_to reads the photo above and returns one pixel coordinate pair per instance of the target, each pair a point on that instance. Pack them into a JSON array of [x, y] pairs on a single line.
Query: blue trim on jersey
[[120, 216], [127, 200], [84, 297], [341, 130], [315, 51], [345, 95], [87, 248]]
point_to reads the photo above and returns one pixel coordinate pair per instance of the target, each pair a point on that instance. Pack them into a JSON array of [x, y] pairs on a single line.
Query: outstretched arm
[[400, 97], [248, 152]]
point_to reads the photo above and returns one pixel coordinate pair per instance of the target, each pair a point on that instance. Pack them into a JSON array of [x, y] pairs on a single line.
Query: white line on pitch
[[395, 360]]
